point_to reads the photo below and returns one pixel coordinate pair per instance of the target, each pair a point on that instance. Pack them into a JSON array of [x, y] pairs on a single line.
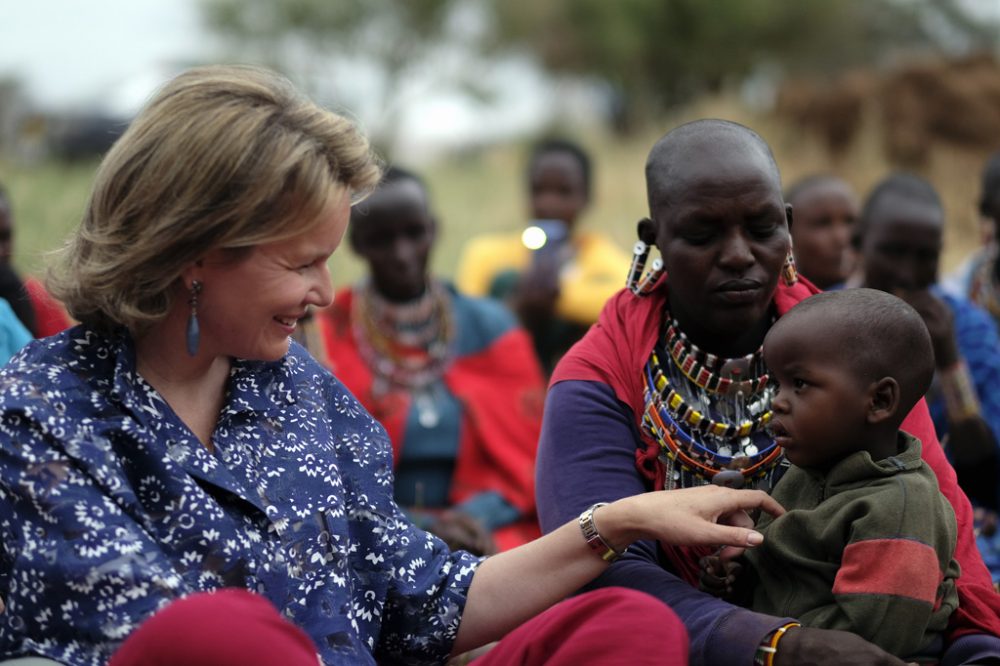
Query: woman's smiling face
[[248, 307]]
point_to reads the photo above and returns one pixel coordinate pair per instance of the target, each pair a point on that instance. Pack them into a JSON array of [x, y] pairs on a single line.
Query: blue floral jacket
[[110, 509]]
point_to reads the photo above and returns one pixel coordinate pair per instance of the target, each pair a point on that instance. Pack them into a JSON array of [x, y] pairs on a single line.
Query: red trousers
[[235, 627]]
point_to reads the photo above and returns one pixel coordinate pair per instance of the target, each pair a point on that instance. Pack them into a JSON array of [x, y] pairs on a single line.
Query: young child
[[866, 545]]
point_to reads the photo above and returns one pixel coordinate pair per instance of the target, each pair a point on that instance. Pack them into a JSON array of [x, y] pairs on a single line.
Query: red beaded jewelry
[[704, 369]]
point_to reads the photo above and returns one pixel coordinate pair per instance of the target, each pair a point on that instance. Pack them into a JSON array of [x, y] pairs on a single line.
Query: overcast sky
[[111, 54], [73, 52]]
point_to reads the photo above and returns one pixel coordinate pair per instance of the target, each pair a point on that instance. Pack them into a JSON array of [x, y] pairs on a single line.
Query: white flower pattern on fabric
[[110, 509]]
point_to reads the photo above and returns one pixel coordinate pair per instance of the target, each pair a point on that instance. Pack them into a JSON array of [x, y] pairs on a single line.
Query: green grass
[[47, 200], [480, 191]]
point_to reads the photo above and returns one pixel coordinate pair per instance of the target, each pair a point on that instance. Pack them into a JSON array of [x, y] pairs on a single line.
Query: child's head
[[824, 211], [850, 365], [558, 181]]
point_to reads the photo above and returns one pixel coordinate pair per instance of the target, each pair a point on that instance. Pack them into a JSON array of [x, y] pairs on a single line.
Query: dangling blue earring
[[193, 332]]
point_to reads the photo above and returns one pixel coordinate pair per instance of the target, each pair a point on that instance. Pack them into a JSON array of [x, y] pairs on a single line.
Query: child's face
[[819, 412], [824, 218], [558, 191]]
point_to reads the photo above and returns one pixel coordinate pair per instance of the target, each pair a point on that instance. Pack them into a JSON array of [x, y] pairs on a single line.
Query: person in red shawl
[[453, 379], [669, 390]]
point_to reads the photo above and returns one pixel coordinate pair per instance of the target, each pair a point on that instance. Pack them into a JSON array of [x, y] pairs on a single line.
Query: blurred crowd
[[558, 367], [457, 370]]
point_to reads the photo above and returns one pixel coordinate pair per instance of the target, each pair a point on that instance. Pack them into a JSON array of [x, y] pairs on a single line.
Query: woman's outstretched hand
[[513, 585], [702, 516]]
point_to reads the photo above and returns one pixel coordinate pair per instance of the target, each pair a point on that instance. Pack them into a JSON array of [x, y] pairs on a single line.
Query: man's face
[[394, 236], [558, 188], [902, 244]]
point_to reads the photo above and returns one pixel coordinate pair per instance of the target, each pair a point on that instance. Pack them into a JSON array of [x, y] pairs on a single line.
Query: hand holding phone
[[537, 290], [545, 237]]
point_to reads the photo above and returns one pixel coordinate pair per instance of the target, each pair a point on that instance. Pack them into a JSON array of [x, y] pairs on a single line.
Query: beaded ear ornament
[[789, 271], [637, 283]]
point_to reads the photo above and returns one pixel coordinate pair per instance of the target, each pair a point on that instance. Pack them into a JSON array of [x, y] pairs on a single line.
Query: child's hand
[[718, 575]]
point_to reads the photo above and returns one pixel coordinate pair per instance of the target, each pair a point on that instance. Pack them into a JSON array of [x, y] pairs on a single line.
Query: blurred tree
[[659, 53], [291, 36], [12, 107]]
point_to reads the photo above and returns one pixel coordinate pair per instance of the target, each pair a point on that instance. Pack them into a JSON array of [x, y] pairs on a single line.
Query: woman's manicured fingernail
[[755, 539]]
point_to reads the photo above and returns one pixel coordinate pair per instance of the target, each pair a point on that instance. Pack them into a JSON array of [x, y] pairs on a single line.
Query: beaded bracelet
[[768, 648], [960, 399]]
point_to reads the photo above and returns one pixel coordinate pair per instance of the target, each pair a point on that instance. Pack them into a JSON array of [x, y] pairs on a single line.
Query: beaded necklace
[[407, 346], [706, 370], [709, 415]]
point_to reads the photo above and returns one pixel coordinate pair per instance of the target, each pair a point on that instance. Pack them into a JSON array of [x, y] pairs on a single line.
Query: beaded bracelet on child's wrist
[[768, 648]]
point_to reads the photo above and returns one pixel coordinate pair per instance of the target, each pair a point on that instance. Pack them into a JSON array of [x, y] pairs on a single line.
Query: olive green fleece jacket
[[865, 547]]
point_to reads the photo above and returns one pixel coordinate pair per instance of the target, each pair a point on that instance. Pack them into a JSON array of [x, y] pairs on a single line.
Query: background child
[[825, 210], [867, 543]]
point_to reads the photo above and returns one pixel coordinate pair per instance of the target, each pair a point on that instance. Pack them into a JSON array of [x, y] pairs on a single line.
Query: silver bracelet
[[594, 538]]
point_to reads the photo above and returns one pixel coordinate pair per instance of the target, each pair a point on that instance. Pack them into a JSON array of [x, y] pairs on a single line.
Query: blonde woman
[[175, 443]]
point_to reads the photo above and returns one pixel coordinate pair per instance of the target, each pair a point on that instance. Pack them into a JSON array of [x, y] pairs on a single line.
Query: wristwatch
[[594, 538]]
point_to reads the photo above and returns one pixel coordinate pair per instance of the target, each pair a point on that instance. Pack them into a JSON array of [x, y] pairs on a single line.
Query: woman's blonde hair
[[222, 157]]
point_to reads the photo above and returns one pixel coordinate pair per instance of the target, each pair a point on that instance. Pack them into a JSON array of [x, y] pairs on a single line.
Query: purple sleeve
[[973, 649], [587, 454]]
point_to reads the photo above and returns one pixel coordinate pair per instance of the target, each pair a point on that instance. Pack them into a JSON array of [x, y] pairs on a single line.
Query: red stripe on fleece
[[877, 567]]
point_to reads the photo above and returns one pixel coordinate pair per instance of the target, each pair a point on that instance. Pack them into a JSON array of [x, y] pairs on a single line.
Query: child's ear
[[883, 400]]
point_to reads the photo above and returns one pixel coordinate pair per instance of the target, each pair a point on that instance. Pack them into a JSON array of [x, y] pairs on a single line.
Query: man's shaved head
[[672, 157]]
